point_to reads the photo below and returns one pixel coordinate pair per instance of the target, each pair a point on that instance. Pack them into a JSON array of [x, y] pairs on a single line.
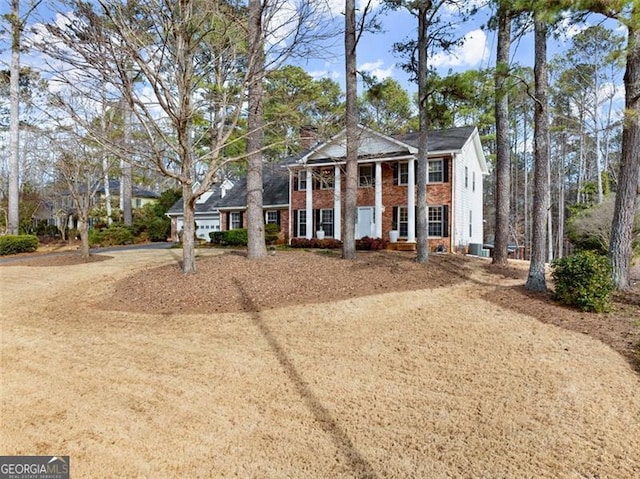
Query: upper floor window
[[365, 175], [473, 181], [302, 180], [403, 173], [436, 171], [326, 179], [466, 177]]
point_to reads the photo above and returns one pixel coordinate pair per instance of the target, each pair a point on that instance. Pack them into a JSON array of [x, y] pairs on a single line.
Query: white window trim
[[369, 184], [302, 178], [441, 171]]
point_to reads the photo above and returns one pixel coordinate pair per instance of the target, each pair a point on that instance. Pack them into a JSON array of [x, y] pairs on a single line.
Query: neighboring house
[[139, 196], [305, 196], [60, 209]]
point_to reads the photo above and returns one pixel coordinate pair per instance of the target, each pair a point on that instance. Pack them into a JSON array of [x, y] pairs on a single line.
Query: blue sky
[[375, 55]]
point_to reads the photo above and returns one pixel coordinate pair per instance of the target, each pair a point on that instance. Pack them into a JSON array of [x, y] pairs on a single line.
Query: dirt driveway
[[428, 382]]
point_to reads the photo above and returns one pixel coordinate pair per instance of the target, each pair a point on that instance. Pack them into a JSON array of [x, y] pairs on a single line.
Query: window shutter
[[295, 223], [228, 220], [445, 170], [241, 220], [396, 177], [316, 220], [394, 221], [278, 218], [445, 221], [295, 180]]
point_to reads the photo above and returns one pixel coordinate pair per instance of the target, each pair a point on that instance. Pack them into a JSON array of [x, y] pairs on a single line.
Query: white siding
[[467, 199]]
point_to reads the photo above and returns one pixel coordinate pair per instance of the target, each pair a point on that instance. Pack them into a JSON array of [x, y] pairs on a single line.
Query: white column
[[411, 203], [378, 205], [309, 204], [337, 203]]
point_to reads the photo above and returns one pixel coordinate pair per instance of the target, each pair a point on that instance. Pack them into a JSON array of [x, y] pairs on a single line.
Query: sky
[[375, 54]]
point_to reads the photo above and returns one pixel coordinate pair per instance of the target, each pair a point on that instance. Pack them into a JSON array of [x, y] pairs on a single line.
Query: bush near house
[[583, 280], [150, 222], [229, 238], [14, 244], [116, 234], [327, 243]]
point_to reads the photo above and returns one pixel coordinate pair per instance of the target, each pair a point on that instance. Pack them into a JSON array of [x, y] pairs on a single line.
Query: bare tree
[[189, 58]]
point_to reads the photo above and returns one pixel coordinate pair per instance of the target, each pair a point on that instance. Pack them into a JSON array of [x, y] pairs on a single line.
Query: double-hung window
[[403, 173], [326, 221], [235, 220], [436, 221], [302, 180], [365, 175], [271, 217], [436, 171], [326, 178]]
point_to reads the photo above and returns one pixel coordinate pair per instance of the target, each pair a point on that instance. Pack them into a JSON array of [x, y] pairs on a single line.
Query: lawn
[[304, 366]]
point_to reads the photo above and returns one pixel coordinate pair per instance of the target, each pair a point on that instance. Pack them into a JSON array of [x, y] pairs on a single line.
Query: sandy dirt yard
[[306, 366]]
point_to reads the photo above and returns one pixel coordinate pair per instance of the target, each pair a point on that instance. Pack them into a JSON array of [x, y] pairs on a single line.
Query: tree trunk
[[13, 225], [256, 247], [620, 247], [536, 280], [422, 227], [83, 228], [188, 231], [126, 180], [350, 208], [503, 154]]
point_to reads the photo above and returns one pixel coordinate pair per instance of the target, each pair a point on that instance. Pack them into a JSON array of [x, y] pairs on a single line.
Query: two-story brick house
[[305, 195], [386, 197]]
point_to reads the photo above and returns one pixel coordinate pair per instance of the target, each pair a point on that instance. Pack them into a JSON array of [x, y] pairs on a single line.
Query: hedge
[[14, 244]]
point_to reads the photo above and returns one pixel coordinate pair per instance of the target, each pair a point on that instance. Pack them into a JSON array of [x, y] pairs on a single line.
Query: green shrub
[[229, 238], [217, 237], [583, 280], [114, 235], [14, 244], [152, 221], [271, 232]]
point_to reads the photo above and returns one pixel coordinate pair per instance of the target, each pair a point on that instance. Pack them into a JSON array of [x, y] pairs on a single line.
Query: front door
[[364, 225]]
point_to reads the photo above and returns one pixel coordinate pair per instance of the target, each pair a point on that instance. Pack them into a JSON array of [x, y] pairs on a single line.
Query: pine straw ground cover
[[309, 367]]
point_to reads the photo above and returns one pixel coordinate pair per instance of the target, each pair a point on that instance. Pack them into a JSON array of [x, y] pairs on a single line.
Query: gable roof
[[136, 191], [275, 192], [376, 144]]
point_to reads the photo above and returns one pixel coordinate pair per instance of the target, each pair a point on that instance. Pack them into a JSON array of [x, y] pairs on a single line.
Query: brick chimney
[[308, 137]]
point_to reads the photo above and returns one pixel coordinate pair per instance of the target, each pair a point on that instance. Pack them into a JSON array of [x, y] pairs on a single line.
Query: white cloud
[[317, 74], [375, 69], [471, 52]]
